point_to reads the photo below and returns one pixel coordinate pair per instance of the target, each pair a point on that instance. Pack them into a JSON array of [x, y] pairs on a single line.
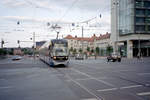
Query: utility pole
[[34, 45], [82, 41], [116, 3]]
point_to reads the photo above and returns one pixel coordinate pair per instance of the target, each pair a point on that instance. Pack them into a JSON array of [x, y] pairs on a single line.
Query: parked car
[[114, 57], [16, 57]]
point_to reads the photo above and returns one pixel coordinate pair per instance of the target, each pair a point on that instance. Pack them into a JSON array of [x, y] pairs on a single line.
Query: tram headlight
[[66, 57], [54, 57]]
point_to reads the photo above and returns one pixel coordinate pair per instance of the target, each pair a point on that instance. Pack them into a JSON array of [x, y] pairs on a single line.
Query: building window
[[139, 3], [147, 4], [148, 28], [140, 12], [140, 28], [148, 12], [140, 20], [147, 20]]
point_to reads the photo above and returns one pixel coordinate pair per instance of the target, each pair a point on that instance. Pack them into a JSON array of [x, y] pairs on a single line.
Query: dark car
[[114, 57]]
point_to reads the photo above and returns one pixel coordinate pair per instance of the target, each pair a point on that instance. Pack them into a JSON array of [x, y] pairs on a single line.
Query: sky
[[39, 16]]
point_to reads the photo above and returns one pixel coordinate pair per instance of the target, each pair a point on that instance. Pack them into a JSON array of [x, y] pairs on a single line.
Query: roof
[[69, 37], [105, 36], [89, 39]]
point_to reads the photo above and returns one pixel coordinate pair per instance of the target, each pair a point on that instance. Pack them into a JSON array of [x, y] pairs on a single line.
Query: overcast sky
[[34, 15]]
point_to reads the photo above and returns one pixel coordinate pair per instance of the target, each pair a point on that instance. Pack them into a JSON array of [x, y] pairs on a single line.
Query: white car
[[16, 57]]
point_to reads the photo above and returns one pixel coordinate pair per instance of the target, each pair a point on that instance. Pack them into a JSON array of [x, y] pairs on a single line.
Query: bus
[[55, 52]]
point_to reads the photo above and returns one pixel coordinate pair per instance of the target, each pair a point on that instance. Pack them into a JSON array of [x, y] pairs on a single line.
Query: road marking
[[104, 90], [5, 87], [83, 87], [2, 79], [147, 84], [106, 83], [143, 94], [143, 73], [84, 79], [89, 99], [126, 87], [132, 86]]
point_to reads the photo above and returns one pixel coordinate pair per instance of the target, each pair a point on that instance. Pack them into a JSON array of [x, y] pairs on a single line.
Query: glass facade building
[[134, 17]]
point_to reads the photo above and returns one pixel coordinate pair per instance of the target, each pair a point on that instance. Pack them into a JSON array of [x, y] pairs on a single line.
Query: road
[[29, 79]]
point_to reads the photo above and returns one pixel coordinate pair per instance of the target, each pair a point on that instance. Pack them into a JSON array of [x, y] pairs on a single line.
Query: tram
[[55, 52]]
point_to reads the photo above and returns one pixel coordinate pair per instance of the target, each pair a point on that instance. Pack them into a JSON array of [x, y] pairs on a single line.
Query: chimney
[[75, 36]]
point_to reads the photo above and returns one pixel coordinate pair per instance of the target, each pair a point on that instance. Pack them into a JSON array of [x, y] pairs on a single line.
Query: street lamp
[[116, 3]]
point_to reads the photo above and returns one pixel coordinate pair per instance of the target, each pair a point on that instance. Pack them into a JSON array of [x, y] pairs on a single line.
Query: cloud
[[43, 4], [31, 19], [53, 5]]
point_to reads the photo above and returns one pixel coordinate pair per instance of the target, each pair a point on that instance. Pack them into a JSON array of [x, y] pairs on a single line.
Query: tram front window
[[60, 50]]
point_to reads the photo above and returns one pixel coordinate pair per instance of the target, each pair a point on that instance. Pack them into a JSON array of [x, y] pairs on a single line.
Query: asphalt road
[[27, 79]]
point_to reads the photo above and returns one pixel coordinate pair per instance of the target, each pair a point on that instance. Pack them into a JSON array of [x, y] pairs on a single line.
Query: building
[[17, 51], [103, 42], [130, 27], [91, 43], [76, 42]]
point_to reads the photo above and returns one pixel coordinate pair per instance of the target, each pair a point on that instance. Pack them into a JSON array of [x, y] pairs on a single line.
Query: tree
[[88, 49], [102, 52], [80, 50], [3, 52], [74, 51], [71, 49], [92, 51], [97, 50], [109, 49]]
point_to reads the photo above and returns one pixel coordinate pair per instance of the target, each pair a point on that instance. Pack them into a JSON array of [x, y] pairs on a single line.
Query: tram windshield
[[60, 50]]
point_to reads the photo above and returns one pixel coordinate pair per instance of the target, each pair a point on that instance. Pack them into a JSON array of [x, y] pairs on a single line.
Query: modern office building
[[130, 27]]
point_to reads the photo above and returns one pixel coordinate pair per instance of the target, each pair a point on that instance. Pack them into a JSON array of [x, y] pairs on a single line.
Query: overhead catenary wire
[[73, 3]]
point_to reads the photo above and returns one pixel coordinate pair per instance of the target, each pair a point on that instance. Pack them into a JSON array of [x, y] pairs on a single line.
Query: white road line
[[89, 99], [80, 79], [5, 87], [84, 79], [126, 87], [106, 83], [83, 87], [132, 86], [143, 94], [143, 73], [147, 84], [104, 90], [2, 79]]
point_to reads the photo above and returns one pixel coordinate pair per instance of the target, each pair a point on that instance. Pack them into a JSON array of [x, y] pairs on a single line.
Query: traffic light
[[73, 24], [18, 23], [48, 24], [18, 41], [3, 42], [100, 15]]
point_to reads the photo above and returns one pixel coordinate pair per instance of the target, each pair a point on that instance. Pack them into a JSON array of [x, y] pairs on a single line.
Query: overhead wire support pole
[[82, 40], [34, 45]]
